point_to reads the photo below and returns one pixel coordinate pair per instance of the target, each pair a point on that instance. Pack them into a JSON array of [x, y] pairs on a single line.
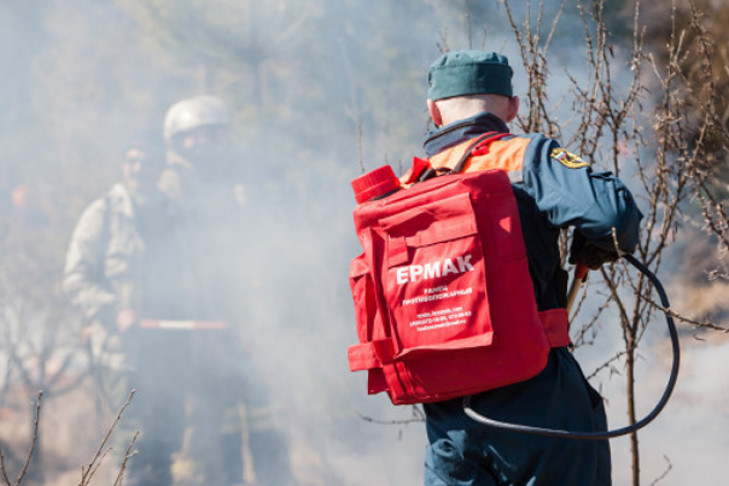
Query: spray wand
[[578, 279]]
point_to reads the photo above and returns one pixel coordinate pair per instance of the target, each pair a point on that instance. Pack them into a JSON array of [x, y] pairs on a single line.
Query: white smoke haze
[[322, 90]]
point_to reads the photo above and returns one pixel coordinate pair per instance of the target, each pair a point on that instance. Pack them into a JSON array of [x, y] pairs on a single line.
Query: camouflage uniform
[[129, 252]]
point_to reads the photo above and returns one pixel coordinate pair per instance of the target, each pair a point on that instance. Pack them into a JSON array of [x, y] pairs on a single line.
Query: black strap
[[467, 154], [433, 172]]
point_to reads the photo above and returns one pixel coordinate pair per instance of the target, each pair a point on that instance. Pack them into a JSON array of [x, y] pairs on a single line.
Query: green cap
[[460, 73]]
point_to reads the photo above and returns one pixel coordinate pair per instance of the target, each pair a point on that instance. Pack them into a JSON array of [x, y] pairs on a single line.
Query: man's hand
[[125, 320], [593, 257]]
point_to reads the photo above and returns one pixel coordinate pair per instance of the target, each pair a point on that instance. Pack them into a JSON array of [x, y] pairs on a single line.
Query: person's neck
[[460, 130]]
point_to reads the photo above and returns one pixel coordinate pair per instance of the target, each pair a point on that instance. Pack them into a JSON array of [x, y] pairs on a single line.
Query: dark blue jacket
[[556, 190], [554, 194]]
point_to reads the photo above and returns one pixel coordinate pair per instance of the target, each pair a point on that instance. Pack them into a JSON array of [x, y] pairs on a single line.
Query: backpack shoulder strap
[[479, 143]]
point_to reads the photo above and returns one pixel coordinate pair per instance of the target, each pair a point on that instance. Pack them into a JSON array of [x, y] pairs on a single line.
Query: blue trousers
[[463, 452]]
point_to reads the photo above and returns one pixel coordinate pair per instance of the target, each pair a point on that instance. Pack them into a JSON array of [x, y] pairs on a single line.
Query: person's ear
[[513, 108], [435, 113]]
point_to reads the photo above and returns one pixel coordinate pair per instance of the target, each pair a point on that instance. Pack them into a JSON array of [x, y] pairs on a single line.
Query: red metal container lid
[[375, 183]]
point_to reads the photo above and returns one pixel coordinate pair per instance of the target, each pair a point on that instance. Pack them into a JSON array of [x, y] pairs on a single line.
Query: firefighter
[[232, 409], [123, 263], [470, 93], [197, 134]]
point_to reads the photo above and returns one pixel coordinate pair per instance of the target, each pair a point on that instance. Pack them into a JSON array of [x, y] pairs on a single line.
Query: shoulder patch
[[568, 159]]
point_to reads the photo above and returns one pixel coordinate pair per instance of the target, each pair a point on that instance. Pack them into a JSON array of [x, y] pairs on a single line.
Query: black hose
[[568, 434]]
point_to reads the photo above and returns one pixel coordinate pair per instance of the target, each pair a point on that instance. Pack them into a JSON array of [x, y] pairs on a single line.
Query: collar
[[457, 132]]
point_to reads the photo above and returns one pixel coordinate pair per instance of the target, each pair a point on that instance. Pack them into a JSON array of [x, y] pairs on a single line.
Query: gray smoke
[[322, 90]]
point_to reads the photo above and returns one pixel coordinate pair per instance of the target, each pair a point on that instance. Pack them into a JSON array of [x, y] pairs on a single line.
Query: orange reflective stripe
[[450, 156], [506, 155]]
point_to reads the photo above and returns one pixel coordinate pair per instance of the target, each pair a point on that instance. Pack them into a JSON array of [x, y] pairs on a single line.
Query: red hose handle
[[580, 274], [581, 271]]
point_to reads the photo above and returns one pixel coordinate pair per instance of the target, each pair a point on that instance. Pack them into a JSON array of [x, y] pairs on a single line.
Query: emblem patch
[[568, 159]]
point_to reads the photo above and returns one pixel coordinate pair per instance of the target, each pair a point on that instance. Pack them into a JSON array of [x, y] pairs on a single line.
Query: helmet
[[195, 112]]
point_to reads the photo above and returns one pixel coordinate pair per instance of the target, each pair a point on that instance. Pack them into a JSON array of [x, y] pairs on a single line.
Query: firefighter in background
[[199, 150], [470, 94], [124, 263], [205, 176]]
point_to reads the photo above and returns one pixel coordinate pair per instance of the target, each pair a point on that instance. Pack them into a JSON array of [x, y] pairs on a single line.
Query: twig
[[468, 24], [127, 455], [606, 364], [2, 468], [418, 417], [360, 158], [660, 478], [88, 472], [33, 440]]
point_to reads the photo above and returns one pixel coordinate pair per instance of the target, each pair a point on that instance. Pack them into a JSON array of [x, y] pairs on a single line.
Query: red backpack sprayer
[[443, 288]]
